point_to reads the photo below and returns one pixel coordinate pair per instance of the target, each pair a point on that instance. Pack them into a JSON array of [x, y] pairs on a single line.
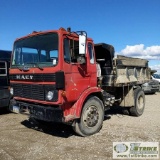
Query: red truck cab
[[50, 78]]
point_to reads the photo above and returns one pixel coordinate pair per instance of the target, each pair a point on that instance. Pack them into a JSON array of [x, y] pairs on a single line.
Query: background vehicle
[[151, 87], [156, 77], [62, 76], [5, 57]]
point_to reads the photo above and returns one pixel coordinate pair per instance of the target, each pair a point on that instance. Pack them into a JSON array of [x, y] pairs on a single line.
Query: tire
[[139, 103], [91, 119]]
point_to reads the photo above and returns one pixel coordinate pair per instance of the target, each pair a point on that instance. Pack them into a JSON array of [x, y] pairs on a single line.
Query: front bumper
[[39, 112]]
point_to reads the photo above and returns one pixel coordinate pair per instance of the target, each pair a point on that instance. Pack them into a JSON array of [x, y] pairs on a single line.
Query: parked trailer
[[4, 78], [62, 76]]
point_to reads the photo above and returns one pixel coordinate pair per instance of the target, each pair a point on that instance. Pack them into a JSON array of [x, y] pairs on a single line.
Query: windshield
[[40, 50], [156, 76]]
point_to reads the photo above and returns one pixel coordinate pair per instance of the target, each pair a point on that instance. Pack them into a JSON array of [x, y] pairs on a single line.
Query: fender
[[77, 107]]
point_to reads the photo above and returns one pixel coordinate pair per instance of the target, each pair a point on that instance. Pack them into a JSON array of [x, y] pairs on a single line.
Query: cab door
[[78, 77]]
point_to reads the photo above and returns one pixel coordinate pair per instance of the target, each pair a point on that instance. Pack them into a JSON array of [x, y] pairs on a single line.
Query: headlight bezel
[[49, 95], [11, 90]]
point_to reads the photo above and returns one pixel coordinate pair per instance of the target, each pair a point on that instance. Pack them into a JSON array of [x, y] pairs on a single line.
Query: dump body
[[131, 70], [121, 70]]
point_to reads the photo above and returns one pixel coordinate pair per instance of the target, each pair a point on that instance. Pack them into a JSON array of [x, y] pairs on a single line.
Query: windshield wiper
[[36, 65], [21, 69]]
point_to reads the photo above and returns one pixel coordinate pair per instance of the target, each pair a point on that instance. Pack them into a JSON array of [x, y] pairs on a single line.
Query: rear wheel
[[139, 103], [91, 119]]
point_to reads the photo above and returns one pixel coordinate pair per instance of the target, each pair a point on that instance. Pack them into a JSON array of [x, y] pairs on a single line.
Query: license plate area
[[16, 109], [46, 113]]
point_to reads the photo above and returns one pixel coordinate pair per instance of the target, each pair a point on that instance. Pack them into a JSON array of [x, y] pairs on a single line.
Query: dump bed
[[130, 70], [121, 70], [4, 77]]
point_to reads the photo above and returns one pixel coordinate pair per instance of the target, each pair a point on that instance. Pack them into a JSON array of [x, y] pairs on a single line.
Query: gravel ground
[[22, 140]]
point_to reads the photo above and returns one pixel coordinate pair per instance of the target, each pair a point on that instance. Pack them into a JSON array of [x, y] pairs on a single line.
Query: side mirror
[[82, 42], [81, 59]]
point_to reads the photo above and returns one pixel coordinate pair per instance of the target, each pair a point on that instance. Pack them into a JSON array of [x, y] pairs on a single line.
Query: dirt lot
[[19, 139]]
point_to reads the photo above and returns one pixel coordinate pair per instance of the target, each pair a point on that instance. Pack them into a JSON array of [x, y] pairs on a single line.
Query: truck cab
[[46, 70]]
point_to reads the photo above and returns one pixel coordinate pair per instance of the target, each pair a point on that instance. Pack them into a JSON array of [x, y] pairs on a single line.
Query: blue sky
[[131, 26]]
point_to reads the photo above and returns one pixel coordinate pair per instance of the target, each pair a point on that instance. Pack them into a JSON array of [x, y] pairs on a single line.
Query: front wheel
[[139, 103], [91, 119]]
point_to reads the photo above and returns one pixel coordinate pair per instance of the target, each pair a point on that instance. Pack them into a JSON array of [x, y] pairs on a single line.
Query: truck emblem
[[24, 77]]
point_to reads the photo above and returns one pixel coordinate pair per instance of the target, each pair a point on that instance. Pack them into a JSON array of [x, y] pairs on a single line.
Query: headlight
[[49, 95], [11, 90]]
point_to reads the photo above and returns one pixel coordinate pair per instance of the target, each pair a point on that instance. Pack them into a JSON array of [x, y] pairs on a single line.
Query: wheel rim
[[140, 102], [91, 116]]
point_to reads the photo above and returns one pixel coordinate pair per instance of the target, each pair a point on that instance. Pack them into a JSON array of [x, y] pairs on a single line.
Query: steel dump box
[[130, 70], [120, 71]]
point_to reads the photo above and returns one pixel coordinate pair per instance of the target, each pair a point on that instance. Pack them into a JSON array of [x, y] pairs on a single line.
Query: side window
[[91, 55], [74, 49], [71, 50], [67, 57], [3, 68]]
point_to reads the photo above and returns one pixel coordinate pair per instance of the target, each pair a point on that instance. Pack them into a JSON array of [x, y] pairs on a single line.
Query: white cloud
[[140, 51]]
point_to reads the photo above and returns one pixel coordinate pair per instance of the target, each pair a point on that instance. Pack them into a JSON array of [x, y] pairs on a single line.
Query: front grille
[[31, 91]]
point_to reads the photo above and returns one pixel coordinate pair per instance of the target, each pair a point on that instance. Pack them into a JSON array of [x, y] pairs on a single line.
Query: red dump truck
[[62, 76]]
